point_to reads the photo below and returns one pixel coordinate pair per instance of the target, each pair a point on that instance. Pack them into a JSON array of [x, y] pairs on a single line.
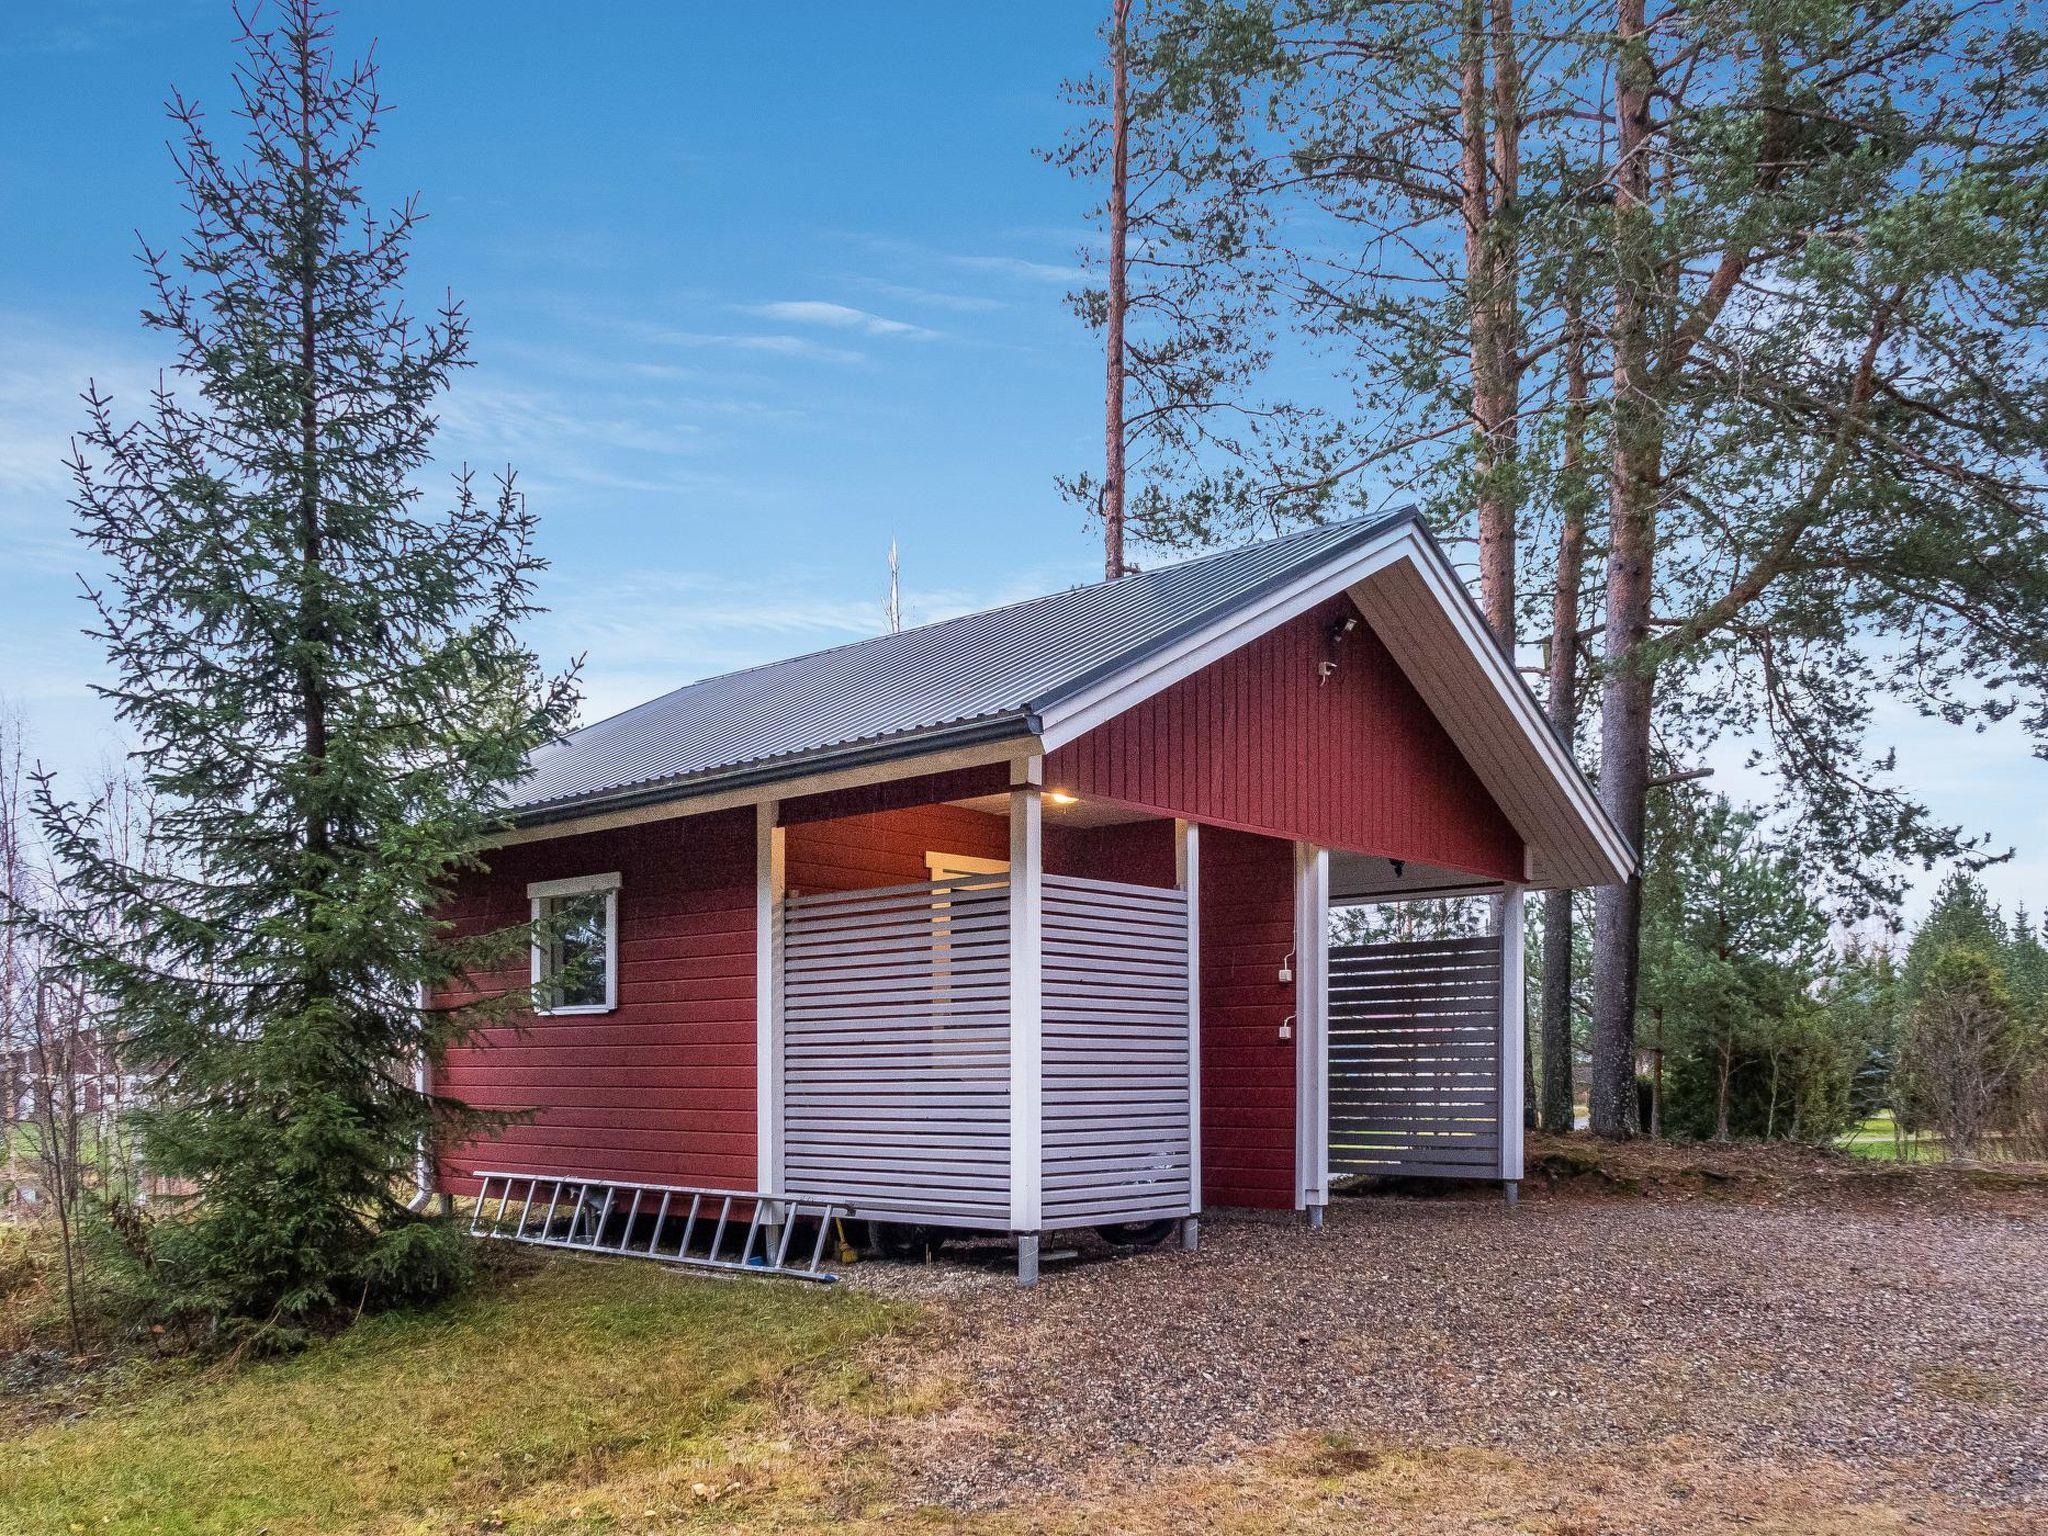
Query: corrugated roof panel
[[988, 666]]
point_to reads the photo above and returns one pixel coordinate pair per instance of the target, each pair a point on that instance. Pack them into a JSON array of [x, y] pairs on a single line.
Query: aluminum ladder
[[600, 1215]]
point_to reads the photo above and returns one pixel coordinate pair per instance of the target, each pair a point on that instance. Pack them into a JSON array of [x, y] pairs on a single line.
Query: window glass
[[576, 953]]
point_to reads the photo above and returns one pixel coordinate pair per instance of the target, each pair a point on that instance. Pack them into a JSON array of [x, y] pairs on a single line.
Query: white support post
[[1187, 846], [1513, 1002], [1312, 1034], [1027, 1056], [769, 880]]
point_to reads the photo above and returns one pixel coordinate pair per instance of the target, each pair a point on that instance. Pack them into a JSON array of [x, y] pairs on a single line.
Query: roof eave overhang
[[992, 738], [1407, 588]]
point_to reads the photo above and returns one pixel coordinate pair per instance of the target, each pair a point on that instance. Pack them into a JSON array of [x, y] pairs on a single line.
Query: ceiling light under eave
[[1061, 797]]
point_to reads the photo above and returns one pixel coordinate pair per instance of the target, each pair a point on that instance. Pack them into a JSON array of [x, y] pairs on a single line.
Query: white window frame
[[541, 891]]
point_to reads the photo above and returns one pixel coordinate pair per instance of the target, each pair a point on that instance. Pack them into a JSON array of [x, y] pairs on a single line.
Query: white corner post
[[1312, 1031], [1513, 1004], [426, 1176], [1187, 862], [768, 889], [1027, 1053]]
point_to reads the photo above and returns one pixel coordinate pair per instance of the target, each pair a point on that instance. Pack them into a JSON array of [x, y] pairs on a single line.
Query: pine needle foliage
[[328, 686]]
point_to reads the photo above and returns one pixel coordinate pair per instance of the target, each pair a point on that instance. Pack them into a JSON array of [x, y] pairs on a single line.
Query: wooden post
[[1311, 1035], [1512, 1004], [1187, 846], [768, 889], [1027, 1056]]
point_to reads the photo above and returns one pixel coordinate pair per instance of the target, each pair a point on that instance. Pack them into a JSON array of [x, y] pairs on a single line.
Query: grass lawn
[[1278, 1382], [1876, 1137], [568, 1398]]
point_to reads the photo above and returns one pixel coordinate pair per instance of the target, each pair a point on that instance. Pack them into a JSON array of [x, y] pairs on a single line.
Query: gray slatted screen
[[1415, 1052], [1117, 1138], [896, 1039]]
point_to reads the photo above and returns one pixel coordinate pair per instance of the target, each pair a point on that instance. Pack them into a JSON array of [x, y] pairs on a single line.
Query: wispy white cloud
[[44, 369], [659, 335], [837, 317], [1022, 268], [910, 256], [929, 298]]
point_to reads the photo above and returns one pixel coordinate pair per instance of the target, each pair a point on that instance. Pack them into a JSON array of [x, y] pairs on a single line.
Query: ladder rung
[[594, 1202]]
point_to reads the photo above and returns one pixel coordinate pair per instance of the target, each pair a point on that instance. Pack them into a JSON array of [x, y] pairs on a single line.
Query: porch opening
[[1424, 1024], [1019, 1019]]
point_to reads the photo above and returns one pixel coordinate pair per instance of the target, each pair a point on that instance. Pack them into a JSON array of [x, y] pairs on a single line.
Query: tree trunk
[[312, 599], [1489, 169], [1113, 321], [1563, 695], [1657, 1084], [1626, 692], [1721, 1092]]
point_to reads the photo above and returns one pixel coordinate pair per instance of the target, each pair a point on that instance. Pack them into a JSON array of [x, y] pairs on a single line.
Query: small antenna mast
[[892, 612]]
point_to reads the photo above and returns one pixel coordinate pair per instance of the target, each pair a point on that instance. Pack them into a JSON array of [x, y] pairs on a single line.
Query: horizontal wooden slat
[[1415, 1058]]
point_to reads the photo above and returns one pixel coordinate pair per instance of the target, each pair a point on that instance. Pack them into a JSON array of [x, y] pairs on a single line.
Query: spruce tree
[[329, 692]]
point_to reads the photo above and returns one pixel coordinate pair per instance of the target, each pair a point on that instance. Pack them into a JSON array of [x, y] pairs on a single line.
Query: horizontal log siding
[[886, 847], [1247, 926], [661, 1090], [1261, 742]]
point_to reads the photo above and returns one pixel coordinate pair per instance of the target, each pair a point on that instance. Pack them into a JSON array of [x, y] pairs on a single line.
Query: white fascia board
[[1077, 716], [777, 791], [1522, 706]]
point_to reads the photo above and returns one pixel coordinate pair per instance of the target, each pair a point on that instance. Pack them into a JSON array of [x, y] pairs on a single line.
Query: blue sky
[[754, 289]]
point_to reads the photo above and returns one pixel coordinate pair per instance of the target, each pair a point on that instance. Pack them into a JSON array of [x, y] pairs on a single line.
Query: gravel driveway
[[1905, 1341]]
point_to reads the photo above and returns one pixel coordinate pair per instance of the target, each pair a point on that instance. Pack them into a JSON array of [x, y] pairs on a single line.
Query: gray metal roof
[[978, 677]]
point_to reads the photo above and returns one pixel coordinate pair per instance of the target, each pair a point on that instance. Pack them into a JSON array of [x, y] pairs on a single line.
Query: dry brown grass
[[1323, 1486], [587, 1398]]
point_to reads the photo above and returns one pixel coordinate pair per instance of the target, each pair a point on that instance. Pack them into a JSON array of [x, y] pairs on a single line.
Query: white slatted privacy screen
[[1117, 1134], [1415, 1057], [896, 1040], [895, 1019]]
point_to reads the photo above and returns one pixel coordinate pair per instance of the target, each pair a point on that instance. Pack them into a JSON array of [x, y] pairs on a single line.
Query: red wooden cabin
[[1017, 921]]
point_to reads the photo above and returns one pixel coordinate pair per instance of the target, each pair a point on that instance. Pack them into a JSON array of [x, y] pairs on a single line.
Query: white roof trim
[[1602, 855], [1071, 718], [771, 792], [1405, 588]]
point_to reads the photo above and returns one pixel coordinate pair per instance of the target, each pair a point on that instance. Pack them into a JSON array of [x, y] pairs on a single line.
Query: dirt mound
[[1774, 1172]]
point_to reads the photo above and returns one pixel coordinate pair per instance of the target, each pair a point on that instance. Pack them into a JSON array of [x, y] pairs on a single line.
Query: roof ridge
[[975, 613]]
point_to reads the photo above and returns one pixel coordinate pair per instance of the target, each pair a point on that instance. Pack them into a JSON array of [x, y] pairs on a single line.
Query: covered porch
[[1085, 1014]]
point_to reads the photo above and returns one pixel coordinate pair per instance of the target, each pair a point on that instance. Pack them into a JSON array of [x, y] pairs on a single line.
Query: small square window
[[575, 960]]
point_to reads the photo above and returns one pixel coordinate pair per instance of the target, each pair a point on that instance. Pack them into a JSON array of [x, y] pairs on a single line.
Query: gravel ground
[[1901, 1342]]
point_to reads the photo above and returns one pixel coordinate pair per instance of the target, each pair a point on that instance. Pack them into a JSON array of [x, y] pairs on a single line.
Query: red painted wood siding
[[1259, 741], [1136, 852], [888, 847], [662, 1089], [1247, 924], [898, 794]]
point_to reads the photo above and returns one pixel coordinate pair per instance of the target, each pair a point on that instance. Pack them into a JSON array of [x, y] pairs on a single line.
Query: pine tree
[[1817, 238], [1732, 946], [1962, 916], [329, 694]]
